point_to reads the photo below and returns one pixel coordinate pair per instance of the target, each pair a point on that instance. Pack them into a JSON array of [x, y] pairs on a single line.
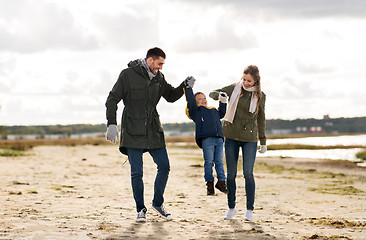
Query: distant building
[[280, 131], [301, 129], [316, 129]]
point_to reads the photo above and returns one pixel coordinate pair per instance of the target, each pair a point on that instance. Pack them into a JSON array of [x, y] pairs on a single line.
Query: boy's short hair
[[155, 53], [197, 93]]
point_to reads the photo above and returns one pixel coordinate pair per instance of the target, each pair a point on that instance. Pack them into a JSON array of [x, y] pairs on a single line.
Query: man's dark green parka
[[140, 127]]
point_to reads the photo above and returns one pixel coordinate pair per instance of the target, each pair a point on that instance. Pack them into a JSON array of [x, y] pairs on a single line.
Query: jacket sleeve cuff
[[110, 122]]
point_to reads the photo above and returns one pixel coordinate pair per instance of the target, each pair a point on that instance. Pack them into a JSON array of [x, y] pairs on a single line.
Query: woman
[[244, 123]]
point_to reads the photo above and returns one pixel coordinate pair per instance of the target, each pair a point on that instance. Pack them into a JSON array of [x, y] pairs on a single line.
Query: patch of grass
[[19, 183], [32, 192], [333, 237], [361, 155], [346, 190], [106, 226], [176, 139], [15, 193], [336, 223], [12, 153], [25, 144], [261, 166], [310, 147]]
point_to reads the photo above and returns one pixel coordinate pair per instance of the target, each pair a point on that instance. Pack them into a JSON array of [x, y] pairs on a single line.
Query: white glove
[[262, 149], [189, 82], [223, 97], [112, 133]]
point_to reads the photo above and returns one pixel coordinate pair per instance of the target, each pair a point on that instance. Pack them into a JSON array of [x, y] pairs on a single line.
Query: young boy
[[209, 135]]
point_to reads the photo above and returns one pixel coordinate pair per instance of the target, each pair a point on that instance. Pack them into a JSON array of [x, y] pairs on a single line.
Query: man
[[141, 86]]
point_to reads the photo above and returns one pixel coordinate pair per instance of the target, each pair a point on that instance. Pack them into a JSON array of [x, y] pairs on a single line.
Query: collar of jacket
[[144, 64], [138, 67]]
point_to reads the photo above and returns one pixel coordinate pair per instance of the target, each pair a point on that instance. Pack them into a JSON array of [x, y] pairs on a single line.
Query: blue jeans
[[249, 150], [161, 159], [213, 153]]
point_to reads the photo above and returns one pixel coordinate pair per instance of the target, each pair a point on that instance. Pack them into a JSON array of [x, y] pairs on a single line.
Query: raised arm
[[222, 104], [228, 90], [171, 94], [191, 102]]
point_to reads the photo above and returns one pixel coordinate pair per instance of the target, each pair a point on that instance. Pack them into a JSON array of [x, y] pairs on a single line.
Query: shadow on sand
[[136, 231]]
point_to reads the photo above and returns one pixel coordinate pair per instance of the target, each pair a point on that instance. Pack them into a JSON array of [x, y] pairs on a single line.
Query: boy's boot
[[210, 188], [221, 185]]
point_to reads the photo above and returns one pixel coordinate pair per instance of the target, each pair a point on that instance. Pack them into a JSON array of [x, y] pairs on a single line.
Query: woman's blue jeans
[[161, 159], [213, 153], [249, 150]]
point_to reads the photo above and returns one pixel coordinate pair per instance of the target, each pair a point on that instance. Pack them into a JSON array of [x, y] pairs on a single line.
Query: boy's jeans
[[249, 150], [213, 152], [161, 159]]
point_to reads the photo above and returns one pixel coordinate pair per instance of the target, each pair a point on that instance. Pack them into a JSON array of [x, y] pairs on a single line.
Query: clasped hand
[[189, 81]]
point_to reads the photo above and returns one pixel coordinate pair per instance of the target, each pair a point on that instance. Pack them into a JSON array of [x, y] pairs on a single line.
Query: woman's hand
[[262, 149], [223, 97]]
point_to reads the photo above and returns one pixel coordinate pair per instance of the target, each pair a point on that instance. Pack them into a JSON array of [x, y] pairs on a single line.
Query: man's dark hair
[[155, 53]]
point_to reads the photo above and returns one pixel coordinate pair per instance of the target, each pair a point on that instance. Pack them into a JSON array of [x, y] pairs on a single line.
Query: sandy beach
[[84, 192]]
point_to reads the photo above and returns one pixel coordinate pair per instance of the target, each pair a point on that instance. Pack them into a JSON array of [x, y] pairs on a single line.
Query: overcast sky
[[59, 59]]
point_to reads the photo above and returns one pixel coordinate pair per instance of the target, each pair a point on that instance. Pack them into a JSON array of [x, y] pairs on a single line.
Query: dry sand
[[84, 192]]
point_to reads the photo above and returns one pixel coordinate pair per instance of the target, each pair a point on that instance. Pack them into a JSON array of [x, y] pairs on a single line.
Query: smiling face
[[155, 64], [248, 81], [201, 99]]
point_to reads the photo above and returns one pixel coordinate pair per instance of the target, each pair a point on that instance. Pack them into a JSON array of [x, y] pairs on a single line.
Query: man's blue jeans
[[213, 153], [161, 159], [249, 150]]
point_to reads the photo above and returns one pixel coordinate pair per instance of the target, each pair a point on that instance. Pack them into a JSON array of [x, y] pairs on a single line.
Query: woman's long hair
[[254, 72]]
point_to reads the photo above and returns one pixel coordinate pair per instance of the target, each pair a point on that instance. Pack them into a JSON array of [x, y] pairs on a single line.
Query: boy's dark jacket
[[207, 119]]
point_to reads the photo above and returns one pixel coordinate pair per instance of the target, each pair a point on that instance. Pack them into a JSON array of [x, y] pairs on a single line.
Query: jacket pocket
[[248, 129], [136, 126]]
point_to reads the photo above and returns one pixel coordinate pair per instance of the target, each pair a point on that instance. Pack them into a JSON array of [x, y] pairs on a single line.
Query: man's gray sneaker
[[162, 212], [141, 216]]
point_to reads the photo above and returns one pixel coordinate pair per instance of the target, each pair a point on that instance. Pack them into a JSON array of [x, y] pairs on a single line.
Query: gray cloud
[[98, 86], [103, 84], [129, 31], [224, 38], [33, 26], [293, 89], [291, 8]]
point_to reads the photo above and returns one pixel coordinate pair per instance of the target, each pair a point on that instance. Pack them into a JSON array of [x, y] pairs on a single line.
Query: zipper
[[217, 133], [147, 114]]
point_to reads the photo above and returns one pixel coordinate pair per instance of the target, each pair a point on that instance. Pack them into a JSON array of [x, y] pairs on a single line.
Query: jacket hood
[[134, 63]]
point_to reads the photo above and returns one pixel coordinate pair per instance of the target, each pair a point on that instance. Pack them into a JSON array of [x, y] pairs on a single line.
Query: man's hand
[[223, 97], [189, 82], [262, 149], [112, 133]]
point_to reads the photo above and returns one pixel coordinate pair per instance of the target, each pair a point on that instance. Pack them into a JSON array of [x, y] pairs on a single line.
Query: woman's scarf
[[234, 99]]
